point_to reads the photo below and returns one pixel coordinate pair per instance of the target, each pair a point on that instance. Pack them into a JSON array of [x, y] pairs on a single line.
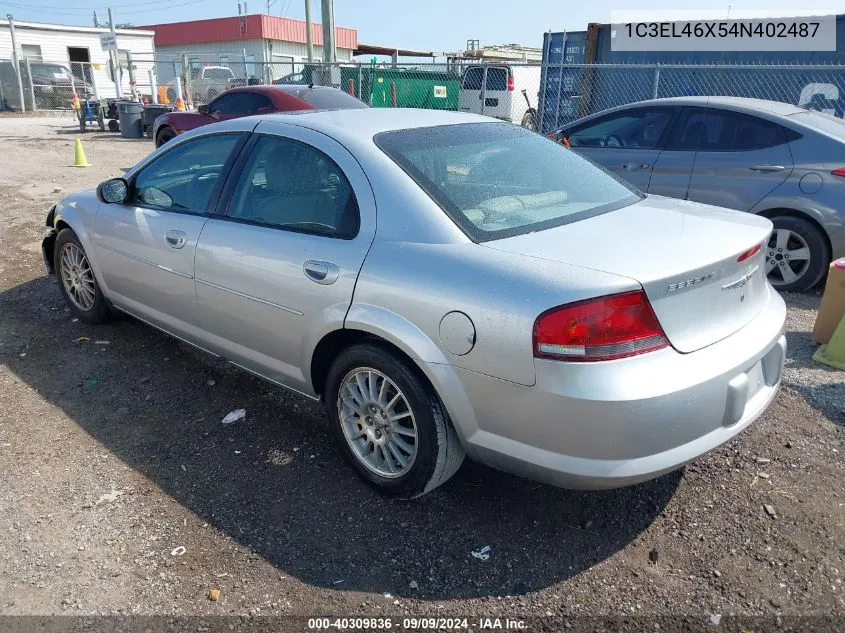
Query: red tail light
[[510, 83], [751, 252], [839, 172], [616, 326]]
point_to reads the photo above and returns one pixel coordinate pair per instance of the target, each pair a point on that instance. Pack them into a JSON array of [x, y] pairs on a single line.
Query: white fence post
[[31, 85], [94, 82], [153, 84], [656, 82]]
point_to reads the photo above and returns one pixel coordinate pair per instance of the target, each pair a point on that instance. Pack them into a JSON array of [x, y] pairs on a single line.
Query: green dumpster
[[410, 88]]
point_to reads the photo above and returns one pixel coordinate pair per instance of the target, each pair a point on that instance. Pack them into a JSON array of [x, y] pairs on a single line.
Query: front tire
[[77, 282], [389, 423], [165, 135], [797, 254]]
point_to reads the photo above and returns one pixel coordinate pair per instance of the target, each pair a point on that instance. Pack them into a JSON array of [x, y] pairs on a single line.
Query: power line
[[124, 9], [113, 5]]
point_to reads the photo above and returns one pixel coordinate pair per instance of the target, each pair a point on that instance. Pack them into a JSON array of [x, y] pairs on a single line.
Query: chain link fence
[[539, 96], [51, 85], [576, 90]]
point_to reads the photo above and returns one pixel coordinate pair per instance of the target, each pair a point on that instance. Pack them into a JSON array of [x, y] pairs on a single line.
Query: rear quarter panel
[[405, 289], [812, 190]]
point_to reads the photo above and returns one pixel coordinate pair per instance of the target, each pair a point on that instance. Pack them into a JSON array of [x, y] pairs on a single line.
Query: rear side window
[[292, 186], [497, 79], [641, 129], [472, 78], [497, 179], [725, 131]]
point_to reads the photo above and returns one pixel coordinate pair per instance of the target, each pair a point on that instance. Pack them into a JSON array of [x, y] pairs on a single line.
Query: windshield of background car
[[496, 180], [217, 74], [52, 71], [823, 122]]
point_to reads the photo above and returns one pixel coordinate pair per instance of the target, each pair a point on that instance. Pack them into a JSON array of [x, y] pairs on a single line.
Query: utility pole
[[96, 21], [16, 61], [329, 51], [113, 56], [309, 27]]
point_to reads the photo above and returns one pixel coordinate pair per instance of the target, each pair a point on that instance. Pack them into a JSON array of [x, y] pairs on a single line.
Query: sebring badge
[[690, 282], [739, 283]]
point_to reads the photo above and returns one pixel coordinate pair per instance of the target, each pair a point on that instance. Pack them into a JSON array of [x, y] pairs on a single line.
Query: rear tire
[[795, 236], [437, 452], [529, 121]]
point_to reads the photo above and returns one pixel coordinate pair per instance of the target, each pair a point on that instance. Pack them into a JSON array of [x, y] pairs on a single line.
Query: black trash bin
[[151, 113], [130, 114]]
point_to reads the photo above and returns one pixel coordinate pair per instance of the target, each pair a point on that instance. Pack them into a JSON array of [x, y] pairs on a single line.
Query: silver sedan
[[773, 159], [446, 284]]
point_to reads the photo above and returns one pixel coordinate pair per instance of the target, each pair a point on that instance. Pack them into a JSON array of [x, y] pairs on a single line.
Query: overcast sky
[[432, 25]]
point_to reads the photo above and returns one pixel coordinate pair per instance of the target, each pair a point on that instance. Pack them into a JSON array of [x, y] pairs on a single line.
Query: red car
[[240, 102]]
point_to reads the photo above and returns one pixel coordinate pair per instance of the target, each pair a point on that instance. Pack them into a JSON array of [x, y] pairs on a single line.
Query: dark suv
[[53, 86]]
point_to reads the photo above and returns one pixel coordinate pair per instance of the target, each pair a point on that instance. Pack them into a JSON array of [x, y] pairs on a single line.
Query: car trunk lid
[[684, 255]]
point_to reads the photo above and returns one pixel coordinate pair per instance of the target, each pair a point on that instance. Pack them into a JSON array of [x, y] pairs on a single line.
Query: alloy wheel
[[377, 422], [77, 277], [787, 257]]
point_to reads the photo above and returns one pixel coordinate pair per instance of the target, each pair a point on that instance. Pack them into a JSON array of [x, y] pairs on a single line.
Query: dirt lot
[[114, 455]]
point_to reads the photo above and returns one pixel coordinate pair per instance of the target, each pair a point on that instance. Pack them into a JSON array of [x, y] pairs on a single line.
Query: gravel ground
[[113, 456]]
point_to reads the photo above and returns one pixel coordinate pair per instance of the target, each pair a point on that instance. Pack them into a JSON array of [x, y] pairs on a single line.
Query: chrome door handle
[[319, 272], [633, 167], [175, 239], [765, 168]]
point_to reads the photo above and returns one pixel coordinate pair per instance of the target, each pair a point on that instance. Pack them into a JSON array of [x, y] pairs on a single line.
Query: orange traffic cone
[[180, 104], [74, 102]]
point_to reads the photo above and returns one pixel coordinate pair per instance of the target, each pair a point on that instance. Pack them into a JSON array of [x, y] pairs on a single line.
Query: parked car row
[[772, 159], [445, 283]]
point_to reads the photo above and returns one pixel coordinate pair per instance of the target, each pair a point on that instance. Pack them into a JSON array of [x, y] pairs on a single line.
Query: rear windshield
[[328, 99], [496, 180], [821, 121], [497, 78]]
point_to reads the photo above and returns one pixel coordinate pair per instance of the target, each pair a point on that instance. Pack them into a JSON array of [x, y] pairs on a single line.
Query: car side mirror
[[113, 191], [203, 109]]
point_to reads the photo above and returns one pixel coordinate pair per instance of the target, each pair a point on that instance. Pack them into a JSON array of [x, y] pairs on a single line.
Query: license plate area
[[741, 390], [756, 380]]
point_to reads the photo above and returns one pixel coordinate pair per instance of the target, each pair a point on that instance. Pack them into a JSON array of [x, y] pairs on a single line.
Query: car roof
[[365, 123], [276, 88], [742, 104]]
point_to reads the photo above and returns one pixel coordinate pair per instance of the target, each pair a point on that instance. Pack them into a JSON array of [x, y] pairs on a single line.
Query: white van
[[510, 92]]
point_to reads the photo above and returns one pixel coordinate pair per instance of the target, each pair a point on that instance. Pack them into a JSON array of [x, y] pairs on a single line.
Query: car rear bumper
[[611, 424]]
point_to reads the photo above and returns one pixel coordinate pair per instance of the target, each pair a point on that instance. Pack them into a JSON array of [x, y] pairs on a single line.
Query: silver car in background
[[446, 284], [777, 160]]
